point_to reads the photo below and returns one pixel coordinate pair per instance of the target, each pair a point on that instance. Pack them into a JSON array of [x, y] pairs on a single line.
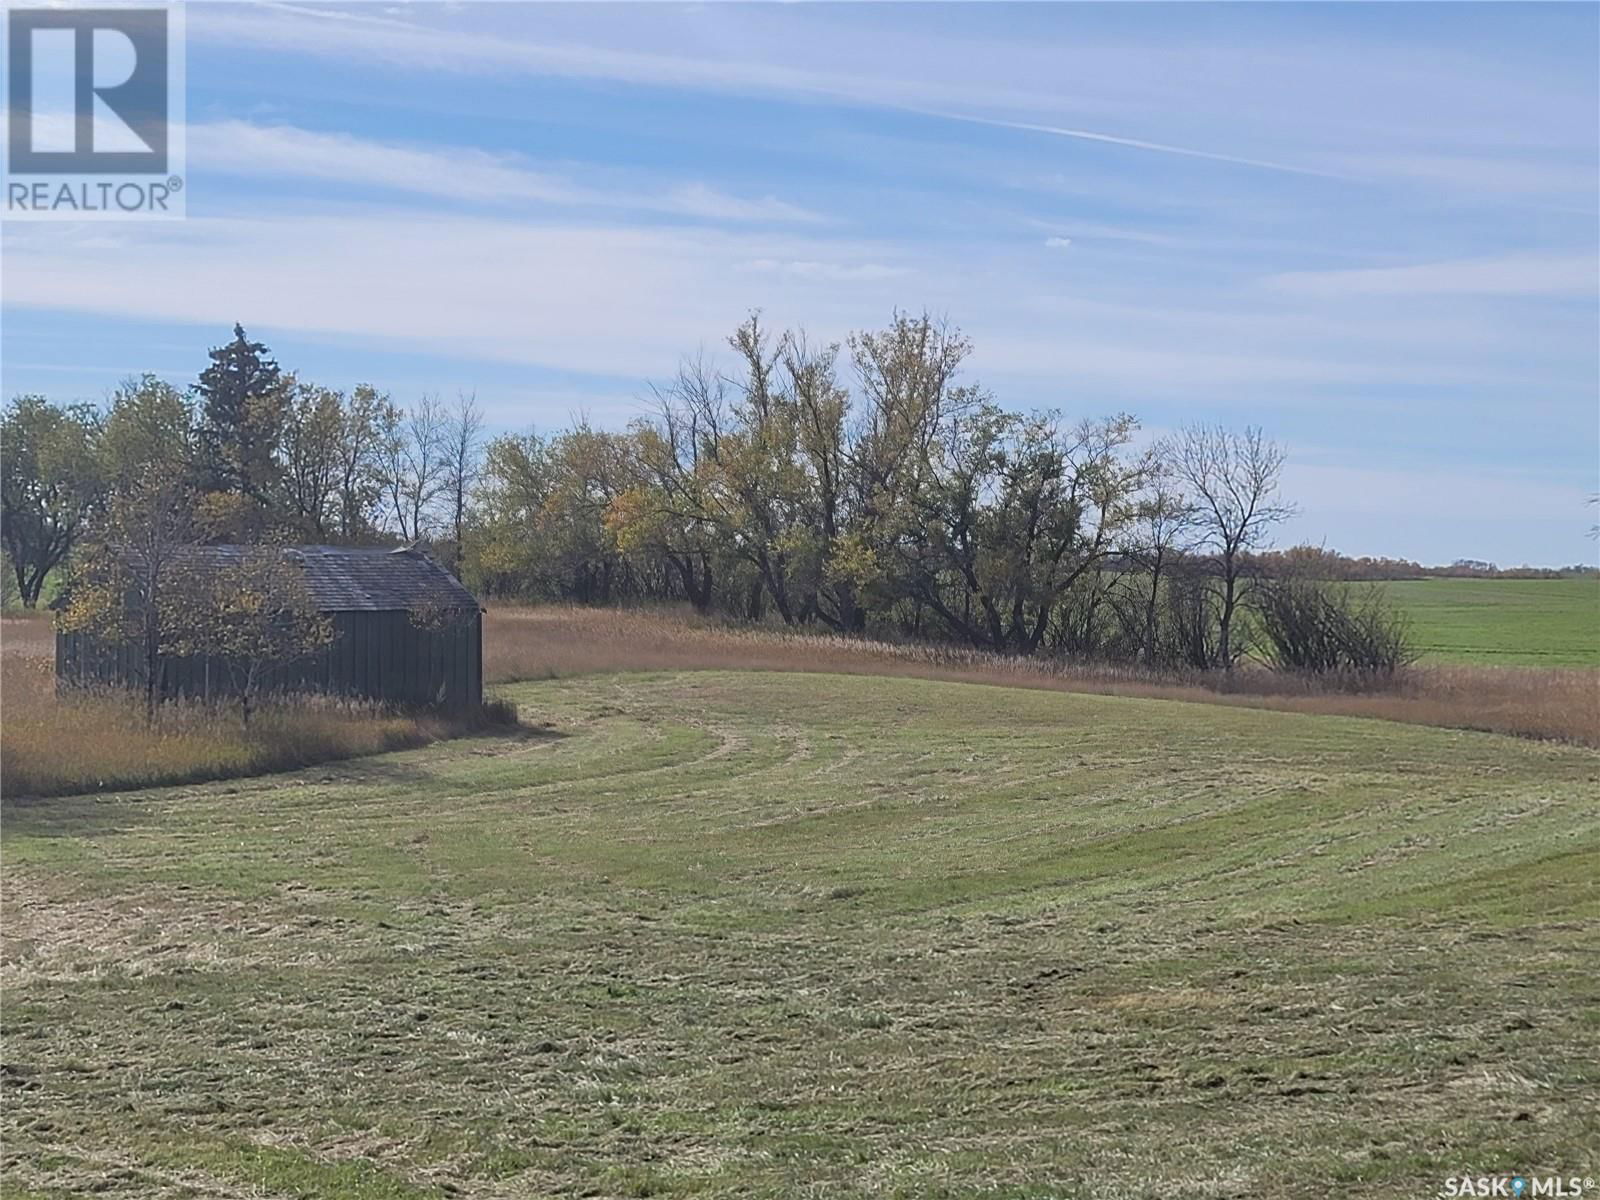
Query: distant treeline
[[862, 487], [1318, 563]]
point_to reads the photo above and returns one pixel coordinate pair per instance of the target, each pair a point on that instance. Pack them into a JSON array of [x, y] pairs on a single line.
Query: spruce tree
[[244, 396]]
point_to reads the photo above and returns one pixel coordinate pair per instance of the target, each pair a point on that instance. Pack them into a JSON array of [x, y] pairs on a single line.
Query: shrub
[[496, 714], [1314, 628], [1187, 629]]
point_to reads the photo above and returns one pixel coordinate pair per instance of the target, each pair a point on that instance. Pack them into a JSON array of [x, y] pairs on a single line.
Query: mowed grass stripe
[[722, 934]]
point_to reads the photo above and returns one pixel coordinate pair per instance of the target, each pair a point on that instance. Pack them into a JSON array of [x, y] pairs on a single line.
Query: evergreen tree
[[244, 399]]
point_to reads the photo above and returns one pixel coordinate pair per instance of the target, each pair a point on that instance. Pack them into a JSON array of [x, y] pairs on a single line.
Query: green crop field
[[1505, 622], [728, 934]]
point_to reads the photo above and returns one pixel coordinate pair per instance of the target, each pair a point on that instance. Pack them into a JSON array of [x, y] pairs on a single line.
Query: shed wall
[[374, 655]]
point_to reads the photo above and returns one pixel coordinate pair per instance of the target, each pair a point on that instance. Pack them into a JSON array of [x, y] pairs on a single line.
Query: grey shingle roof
[[350, 579]]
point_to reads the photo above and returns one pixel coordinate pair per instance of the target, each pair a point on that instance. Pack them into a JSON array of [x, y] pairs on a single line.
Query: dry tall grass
[[28, 634], [52, 745], [55, 745], [535, 643]]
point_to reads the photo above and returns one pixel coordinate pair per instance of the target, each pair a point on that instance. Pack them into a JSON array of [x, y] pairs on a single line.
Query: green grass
[[1503, 622], [727, 935]]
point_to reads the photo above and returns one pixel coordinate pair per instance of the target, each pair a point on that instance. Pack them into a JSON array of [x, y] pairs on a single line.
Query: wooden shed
[[405, 631]]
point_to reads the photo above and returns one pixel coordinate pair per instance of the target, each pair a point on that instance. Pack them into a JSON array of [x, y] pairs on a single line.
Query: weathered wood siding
[[373, 656]]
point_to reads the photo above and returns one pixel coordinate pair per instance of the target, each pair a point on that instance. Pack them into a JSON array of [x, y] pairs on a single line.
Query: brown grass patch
[[1170, 999], [548, 642], [52, 745], [71, 938], [99, 741], [30, 634]]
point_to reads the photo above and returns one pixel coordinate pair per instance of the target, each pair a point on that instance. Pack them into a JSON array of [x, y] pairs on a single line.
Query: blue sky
[[1371, 229]]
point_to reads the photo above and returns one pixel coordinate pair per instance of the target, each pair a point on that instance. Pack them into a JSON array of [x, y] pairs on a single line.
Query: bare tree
[[465, 460], [1232, 479], [416, 459], [1163, 532]]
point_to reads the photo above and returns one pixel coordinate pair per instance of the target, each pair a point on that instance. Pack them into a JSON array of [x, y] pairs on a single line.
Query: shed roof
[[359, 578]]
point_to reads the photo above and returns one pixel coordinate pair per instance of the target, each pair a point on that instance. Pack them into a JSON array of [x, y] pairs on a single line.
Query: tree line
[[249, 453], [1318, 562], [866, 487]]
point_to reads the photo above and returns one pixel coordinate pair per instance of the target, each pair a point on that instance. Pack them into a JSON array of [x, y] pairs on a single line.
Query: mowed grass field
[[1504, 622], [725, 934]]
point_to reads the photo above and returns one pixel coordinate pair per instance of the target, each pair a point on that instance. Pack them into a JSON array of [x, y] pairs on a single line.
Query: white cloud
[[1510, 275], [830, 272], [616, 301], [1129, 361], [1420, 492], [1058, 243], [389, 40], [628, 301], [1237, 92], [242, 148], [1437, 513], [762, 69], [1469, 177]]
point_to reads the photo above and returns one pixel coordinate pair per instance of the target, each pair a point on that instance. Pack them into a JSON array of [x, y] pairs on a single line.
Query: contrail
[[1087, 135]]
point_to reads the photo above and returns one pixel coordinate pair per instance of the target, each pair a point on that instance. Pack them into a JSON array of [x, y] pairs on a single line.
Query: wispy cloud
[[884, 75], [1575, 275], [830, 272], [1550, 179], [1423, 492], [385, 39], [283, 151], [629, 300], [574, 296], [1227, 93]]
